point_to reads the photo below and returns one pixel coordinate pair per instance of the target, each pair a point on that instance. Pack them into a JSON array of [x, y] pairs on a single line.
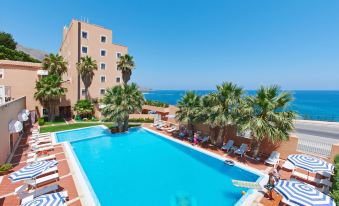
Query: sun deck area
[[65, 181]]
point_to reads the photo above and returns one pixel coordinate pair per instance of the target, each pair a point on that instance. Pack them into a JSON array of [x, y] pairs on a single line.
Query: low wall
[[8, 112], [285, 148]]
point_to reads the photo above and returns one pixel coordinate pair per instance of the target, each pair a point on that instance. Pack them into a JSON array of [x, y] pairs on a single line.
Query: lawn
[[63, 127]]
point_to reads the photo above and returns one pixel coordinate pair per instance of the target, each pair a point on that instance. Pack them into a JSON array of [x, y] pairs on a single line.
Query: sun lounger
[[38, 159], [37, 146], [273, 159], [42, 180], [172, 129], [28, 196], [288, 166], [63, 194], [40, 141], [35, 135], [242, 150], [204, 140], [317, 181], [36, 150], [228, 145]]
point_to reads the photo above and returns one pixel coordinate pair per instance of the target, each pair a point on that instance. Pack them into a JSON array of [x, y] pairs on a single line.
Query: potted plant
[[5, 168]]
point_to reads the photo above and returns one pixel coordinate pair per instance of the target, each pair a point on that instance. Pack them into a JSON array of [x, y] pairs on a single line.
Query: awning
[[15, 126], [23, 115]]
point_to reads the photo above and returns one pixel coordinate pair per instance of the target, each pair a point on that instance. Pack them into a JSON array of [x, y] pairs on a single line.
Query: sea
[[311, 105]]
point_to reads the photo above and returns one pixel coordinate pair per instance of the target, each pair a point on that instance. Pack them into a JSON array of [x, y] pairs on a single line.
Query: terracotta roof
[[20, 63]]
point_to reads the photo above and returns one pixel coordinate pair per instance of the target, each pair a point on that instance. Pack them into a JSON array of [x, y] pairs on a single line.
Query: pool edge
[[83, 186], [251, 195]]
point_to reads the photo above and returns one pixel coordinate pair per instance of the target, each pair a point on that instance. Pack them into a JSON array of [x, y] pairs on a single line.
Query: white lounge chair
[[273, 159], [288, 166], [38, 159], [228, 145], [40, 141], [317, 181], [42, 180], [63, 194], [242, 150], [37, 146], [26, 196], [36, 150], [172, 129]]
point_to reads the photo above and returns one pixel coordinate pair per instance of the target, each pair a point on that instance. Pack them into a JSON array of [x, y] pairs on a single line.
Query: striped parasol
[[54, 199], [31, 170], [302, 194], [310, 163]]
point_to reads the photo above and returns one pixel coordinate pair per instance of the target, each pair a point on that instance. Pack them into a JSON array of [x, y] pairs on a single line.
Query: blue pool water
[[140, 168]]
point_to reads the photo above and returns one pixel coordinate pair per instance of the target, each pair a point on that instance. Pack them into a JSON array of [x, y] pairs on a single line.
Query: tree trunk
[[50, 111], [190, 129], [120, 126], [221, 136], [213, 134], [126, 124], [255, 148], [86, 91]]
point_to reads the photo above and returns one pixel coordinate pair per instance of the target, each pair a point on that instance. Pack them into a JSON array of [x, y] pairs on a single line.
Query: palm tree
[[267, 117], [224, 108], [48, 92], [86, 68], [120, 101], [188, 109], [54, 64], [126, 65]]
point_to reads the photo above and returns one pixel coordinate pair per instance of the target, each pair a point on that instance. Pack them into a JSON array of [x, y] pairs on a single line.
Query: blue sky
[[191, 44]]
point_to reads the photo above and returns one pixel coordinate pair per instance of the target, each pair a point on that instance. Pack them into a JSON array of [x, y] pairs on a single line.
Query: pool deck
[[65, 182], [261, 198]]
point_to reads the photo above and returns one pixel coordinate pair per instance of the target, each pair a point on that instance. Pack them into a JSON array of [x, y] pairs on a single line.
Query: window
[[118, 55], [103, 39], [2, 73], [102, 91], [118, 80], [102, 66], [83, 92], [84, 49], [103, 53], [102, 78], [84, 34]]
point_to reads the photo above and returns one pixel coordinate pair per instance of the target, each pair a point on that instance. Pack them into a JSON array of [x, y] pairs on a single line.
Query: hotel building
[[83, 39], [80, 39]]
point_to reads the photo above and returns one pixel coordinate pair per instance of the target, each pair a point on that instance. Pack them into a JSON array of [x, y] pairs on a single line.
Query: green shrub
[[336, 159], [335, 196], [84, 108], [5, 167], [41, 121], [144, 120], [156, 103]]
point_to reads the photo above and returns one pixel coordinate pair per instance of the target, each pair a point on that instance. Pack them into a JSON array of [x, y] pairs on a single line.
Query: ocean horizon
[[322, 105]]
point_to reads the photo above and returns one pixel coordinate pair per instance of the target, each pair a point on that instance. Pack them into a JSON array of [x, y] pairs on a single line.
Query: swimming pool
[[142, 168]]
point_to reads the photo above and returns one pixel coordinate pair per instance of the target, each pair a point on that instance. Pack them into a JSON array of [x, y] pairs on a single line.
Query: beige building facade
[[9, 112], [82, 39], [17, 79]]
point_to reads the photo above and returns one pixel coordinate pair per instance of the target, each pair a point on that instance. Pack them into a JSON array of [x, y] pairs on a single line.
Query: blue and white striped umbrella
[[310, 163], [54, 199], [31, 170], [302, 194]]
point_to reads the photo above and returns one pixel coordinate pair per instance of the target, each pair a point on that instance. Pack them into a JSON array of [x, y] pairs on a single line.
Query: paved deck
[[65, 182]]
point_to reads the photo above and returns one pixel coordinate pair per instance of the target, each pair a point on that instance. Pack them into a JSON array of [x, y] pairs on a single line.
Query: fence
[[314, 147]]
